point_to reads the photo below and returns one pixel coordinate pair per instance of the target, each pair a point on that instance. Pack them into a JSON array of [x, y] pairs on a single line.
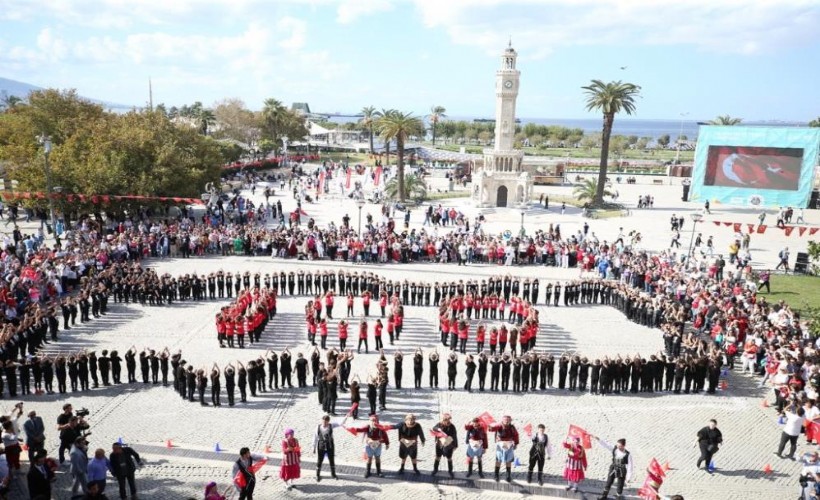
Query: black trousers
[[131, 484], [612, 478], [705, 454], [246, 493], [331, 459], [785, 438]]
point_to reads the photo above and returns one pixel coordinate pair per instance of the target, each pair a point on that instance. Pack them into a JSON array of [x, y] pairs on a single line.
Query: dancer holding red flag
[[244, 472], [506, 439], [476, 444], [576, 462], [446, 442], [375, 437]]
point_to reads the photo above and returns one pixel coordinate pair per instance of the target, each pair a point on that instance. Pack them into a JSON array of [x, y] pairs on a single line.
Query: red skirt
[[288, 472]]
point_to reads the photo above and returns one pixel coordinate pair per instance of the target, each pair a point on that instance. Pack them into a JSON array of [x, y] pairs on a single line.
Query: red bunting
[[716, 222], [761, 229], [737, 227], [801, 230], [813, 230], [788, 230], [727, 223], [751, 227]]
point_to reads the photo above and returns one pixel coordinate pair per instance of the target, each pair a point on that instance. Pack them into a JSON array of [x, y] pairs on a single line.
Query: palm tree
[[399, 126], [725, 120], [379, 115], [369, 115], [414, 187], [273, 114], [610, 98], [815, 122], [10, 102], [436, 114], [204, 120], [588, 190]]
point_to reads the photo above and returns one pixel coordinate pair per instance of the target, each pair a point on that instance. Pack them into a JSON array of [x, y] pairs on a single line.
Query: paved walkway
[[656, 425]]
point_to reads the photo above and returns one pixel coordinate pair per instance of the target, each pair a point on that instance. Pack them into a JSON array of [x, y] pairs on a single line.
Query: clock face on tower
[[508, 84]]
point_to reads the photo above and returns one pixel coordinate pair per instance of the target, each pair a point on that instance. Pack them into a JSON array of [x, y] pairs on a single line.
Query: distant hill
[[21, 89]]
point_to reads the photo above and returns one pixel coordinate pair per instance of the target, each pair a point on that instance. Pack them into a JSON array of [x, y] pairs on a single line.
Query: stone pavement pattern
[[660, 426]]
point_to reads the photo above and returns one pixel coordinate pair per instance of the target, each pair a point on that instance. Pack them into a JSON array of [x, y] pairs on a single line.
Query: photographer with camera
[[71, 427]]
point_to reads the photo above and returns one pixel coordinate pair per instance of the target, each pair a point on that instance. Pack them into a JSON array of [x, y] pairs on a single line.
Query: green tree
[[642, 143], [610, 99], [414, 187], [236, 121], [10, 102], [815, 122], [725, 120], [436, 114], [205, 120], [588, 191], [663, 140], [273, 118], [368, 120], [399, 126], [484, 137]]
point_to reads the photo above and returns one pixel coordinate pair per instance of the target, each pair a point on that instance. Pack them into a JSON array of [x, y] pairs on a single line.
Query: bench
[[658, 182]]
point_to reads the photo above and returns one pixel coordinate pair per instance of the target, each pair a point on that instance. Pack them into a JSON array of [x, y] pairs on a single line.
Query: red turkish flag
[[240, 481], [737, 227], [801, 230], [788, 230], [761, 229], [751, 227], [486, 419], [647, 493], [577, 432], [351, 430], [528, 430], [437, 434], [813, 230], [655, 468]]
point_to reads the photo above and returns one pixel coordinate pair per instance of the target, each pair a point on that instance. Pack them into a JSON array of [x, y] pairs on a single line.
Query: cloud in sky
[[540, 26]]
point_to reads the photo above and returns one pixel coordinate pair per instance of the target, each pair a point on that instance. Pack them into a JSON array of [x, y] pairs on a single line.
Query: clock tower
[[502, 180], [506, 92]]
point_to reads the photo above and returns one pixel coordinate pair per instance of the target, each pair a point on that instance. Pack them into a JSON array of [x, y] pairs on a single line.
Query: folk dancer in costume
[[291, 467], [476, 444], [375, 437], [325, 446], [539, 451], [506, 439], [576, 463], [446, 443], [621, 468], [410, 433], [244, 473]]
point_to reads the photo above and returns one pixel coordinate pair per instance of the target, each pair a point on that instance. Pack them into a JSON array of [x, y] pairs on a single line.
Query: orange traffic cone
[[267, 449], [666, 466], [765, 403], [169, 444], [767, 469], [724, 385]]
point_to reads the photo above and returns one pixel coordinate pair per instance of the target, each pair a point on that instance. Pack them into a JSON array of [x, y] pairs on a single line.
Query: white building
[[502, 180]]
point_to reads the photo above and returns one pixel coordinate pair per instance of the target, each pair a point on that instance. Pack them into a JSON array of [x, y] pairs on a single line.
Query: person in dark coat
[[39, 477], [124, 461]]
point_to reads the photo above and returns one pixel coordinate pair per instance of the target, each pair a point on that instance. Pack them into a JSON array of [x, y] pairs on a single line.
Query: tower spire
[[510, 43]]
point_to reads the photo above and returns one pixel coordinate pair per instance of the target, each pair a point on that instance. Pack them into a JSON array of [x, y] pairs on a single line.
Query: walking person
[[124, 461], [244, 472], [78, 457], [795, 417], [709, 440]]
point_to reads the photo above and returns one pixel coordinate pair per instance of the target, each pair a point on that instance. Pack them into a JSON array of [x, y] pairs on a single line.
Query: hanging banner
[[788, 230], [348, 174], [377, 178], [761, 229]]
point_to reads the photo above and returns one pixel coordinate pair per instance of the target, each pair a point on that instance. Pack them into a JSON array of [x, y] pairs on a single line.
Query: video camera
[[82, 412]]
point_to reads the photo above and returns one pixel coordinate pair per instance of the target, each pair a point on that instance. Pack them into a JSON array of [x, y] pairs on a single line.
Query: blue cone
[[781, 420], [119, 441], [711, 467], [217, 448]]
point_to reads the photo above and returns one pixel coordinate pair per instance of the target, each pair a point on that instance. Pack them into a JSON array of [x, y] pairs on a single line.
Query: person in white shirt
[[795, 417], [621, 469]]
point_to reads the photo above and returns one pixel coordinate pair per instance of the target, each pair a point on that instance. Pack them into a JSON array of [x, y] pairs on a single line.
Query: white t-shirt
[[793, 424]]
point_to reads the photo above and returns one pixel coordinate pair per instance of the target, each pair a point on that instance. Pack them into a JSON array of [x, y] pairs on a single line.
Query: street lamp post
[[696, 217], [285, 150], [46, 142], [360, 204], [677, 154], [523, 212]]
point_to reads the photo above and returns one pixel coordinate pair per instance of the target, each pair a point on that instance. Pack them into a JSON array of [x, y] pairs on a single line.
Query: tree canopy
[[98, 152]]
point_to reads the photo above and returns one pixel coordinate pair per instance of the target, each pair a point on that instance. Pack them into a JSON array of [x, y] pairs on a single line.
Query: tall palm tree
[[399, 126], [588, 189], [609, 98], [725, 120], [369, 115], [205, 120], [273, 114], [815, 122], [10, 102], [436, 114], [379, 115], [414, 187]]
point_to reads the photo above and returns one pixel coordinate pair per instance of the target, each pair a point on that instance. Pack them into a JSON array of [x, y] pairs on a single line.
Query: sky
[[754, 59]]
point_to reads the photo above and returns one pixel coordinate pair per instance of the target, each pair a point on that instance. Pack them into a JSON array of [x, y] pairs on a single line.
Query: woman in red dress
[[291, 461], [576, 463]]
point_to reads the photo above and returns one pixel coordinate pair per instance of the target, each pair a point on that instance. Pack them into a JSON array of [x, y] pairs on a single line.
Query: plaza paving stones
[[662, 426]]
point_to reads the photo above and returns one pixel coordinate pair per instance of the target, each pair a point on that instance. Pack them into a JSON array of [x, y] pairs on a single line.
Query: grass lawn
[[796, 290], [583, 153]]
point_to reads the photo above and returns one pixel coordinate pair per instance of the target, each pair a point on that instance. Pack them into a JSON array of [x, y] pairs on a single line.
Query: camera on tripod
[[82, 412]]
